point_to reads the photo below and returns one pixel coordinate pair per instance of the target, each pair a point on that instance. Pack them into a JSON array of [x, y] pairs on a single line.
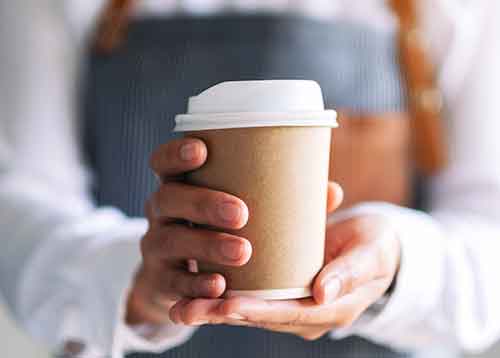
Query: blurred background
[[14, 343]]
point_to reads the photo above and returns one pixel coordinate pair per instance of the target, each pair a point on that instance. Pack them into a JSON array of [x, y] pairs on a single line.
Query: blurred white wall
[[14, 344]]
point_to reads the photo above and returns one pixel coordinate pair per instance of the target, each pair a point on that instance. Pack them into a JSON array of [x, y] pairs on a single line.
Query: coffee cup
[[268, 144]]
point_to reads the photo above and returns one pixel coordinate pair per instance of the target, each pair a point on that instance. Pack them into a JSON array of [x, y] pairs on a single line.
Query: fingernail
[[209, 287], [229, 211], [232, 250], [332, 290], [192, 266], [236, 316], [188, 152]]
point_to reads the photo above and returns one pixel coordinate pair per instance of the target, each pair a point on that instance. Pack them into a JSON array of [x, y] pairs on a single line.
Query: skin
[[362, 259]]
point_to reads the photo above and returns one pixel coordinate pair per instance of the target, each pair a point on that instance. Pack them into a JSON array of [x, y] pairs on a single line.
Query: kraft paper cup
[[268, 144]]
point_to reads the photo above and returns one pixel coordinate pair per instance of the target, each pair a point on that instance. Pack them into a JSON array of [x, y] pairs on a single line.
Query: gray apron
[[133, 94]]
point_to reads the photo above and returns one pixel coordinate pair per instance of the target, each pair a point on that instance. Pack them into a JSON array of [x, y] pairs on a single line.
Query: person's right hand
[[164, 278]]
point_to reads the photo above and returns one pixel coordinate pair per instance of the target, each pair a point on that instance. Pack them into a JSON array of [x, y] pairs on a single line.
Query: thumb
[[349, 271]]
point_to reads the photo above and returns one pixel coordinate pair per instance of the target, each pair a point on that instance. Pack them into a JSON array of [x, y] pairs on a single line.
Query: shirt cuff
[[147, 337], [413, 295]]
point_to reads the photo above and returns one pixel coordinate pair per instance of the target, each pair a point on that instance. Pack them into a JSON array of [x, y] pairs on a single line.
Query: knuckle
[[158, 157], [164, 191], [347, 277], [167, 241], [176, 285], [145, 246], [298, 318], [154, 201], [149, 253], [189, 313], [212, 248], [190, 286], [201, 206], [170, 287]]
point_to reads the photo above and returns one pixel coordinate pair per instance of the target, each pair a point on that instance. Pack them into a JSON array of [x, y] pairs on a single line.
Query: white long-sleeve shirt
[[65, 264]]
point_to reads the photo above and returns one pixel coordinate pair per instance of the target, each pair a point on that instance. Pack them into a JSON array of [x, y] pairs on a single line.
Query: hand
[[163, 277], [362, 256]]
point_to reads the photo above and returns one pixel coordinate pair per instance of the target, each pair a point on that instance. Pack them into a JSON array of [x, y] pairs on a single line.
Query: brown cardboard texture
[[282, 175]]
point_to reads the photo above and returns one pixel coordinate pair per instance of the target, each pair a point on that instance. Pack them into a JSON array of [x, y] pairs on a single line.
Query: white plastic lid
[[248, 104]]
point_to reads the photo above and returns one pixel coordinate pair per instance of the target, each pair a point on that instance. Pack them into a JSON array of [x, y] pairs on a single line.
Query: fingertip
[[318, 292], [173, 315], [246, 252], [335, 196], [219, 285], [193, 151], [245, 214], [319, 287], [230, 212], [187, 314], [175, 311], [212, 285], [243, 217], [177, 157]]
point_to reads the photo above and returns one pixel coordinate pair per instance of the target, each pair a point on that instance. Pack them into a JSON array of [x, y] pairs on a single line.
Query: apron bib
[[133, 94]]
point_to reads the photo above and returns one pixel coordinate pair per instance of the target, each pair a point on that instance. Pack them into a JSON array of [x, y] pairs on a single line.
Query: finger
[[151, 217], [304, 317], [350, 270], [302, 313], [177, 284], [345, 311], [261, 312], [178, 156], [196, 312], [179, 243], [175, 311], [151, 313], [335, 196], [199, 205], [141, 306]]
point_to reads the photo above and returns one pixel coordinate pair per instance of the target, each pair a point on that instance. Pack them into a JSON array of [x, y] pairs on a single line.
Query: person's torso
[[133, 95]]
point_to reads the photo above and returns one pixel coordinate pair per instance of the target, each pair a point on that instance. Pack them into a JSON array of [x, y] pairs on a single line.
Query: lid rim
[[207, 121]]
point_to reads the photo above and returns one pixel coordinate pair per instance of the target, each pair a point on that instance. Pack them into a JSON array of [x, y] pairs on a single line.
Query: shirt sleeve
[[65, 265], [447, 289]]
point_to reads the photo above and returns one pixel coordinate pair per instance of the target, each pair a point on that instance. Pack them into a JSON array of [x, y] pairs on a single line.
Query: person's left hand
[[362, 259]]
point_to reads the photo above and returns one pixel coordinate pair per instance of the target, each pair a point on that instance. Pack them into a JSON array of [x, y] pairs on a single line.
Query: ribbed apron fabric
[[133, 94]]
